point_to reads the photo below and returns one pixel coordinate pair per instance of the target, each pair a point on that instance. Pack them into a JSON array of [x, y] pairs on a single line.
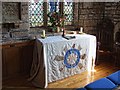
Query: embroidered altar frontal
[[62, 58]]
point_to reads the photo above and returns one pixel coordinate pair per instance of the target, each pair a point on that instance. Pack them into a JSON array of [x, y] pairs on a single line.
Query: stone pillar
[[24, 24], [75, 14], [45, 14]]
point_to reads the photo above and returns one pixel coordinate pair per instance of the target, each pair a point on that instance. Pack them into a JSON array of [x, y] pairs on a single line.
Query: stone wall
[[10, 12], [75, 14], [112, 10], [91, 13], [17, 13], [24, 16]]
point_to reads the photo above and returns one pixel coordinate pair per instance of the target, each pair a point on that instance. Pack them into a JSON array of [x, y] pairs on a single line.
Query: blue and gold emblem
[[72, 58]]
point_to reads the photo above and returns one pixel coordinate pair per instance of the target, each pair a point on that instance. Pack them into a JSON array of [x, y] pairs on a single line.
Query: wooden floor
[[79, 80]]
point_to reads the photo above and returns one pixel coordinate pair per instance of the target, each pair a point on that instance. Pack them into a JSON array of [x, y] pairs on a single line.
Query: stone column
[[24, 24], [75, 14]]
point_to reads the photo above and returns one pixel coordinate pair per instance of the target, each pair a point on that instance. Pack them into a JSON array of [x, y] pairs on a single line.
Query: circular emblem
[[72, 58]]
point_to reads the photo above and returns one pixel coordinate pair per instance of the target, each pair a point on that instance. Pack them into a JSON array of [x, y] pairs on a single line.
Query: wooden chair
[[105, 40]]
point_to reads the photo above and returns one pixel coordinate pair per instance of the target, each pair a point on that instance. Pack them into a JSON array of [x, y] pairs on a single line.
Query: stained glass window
[[36, 13], [52, 6], [68, 11]]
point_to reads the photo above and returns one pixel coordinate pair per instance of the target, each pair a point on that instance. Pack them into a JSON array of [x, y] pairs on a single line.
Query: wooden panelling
[[16, 59]]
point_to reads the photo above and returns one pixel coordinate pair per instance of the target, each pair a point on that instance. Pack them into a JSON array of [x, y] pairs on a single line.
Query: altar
[[56, 58]]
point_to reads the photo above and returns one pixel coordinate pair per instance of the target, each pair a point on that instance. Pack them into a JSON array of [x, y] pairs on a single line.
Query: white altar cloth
[[56, 58]]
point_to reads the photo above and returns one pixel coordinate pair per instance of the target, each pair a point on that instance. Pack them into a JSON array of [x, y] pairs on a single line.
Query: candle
[[81, 29], [62, 29], [58, 29], [75, 32], [43, 33]]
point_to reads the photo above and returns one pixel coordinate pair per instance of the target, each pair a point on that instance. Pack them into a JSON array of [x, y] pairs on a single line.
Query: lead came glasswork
[[68, 11], [36, 13]]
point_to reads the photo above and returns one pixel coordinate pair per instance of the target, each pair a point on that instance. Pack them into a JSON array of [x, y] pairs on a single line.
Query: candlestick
[[63, 32]]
